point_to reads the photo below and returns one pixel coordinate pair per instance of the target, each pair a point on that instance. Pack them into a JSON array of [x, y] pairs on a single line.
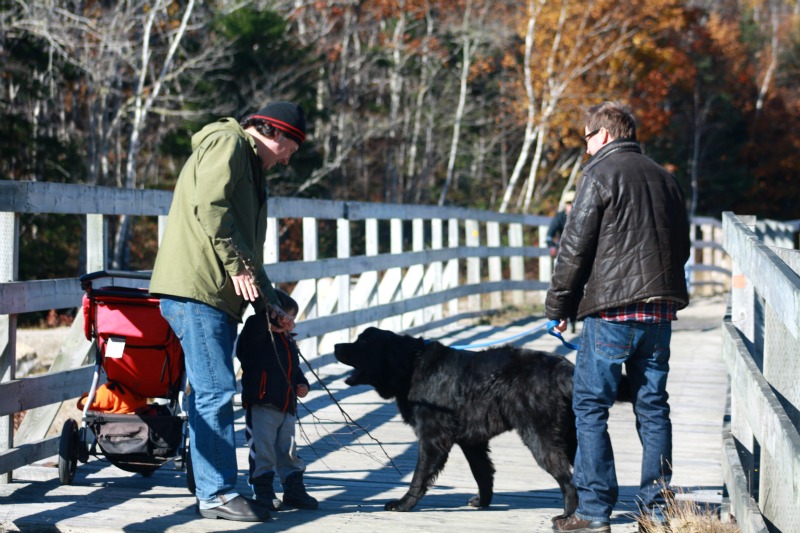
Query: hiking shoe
[[294, 492], [579, 525]]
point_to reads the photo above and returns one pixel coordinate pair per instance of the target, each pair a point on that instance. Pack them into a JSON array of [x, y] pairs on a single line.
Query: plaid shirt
[[650, 312]]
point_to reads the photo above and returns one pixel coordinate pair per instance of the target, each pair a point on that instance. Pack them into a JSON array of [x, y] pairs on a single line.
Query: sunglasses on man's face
[[591, 134]]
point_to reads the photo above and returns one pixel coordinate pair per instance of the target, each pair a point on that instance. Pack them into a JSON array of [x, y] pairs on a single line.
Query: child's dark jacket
[[265, 368]]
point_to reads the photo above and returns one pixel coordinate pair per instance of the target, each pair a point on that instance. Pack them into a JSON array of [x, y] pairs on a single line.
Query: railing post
[[96, 242], [516, 263], [162, 227], [412, 283], [437, 268], [310, 253], [343, 281], [473, 239], [370, 278], [495, 264], [545, 265], [9, 271], [452, 269], [392, 278]]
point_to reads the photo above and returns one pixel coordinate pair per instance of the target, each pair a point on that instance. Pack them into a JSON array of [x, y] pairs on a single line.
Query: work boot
[[578, 525], [294, 492], [265, 492]]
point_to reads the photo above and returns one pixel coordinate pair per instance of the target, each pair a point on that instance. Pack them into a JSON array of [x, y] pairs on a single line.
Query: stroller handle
[[127, 274]]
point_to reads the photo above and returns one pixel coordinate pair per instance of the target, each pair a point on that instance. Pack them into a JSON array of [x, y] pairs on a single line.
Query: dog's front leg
[[430, 461]]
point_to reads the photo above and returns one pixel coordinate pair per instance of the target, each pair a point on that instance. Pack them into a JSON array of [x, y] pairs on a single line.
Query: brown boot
[[578, 525]]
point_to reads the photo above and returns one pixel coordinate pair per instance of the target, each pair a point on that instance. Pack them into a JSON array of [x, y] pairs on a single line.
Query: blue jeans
[[644, 350], [207, 336]]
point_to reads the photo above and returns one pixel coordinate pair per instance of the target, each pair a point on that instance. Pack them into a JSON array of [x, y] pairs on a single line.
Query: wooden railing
[[417, 267], [761, 347]]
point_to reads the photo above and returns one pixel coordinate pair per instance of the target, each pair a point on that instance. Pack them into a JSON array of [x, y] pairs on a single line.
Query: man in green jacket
[[212, 246]]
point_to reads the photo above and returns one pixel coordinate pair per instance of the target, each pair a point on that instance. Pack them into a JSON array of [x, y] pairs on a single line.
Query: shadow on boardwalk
[[352, 476]]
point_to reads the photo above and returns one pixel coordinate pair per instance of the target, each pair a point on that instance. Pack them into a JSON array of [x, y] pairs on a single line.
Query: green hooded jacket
[[221, 194]]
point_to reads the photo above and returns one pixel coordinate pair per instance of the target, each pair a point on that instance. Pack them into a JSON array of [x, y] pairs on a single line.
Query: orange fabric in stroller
[[113, 398]]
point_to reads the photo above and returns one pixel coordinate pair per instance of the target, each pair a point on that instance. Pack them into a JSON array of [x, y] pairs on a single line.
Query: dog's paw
[[400, 505], [559, 517], [475, 501]]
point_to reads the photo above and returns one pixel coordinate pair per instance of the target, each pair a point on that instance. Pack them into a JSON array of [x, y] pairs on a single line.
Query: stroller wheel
[[68, 452], [190, 473]]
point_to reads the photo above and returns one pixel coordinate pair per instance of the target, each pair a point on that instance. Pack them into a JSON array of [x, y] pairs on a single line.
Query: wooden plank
[[765, 415], [40, 295], [26, 454], [289, 271], [69, 198], [9, 271], [745, 509], [37, 391], [318, 326], [771, 277]]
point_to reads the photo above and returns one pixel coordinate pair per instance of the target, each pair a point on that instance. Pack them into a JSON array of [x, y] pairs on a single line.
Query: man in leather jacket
[[620, 268]]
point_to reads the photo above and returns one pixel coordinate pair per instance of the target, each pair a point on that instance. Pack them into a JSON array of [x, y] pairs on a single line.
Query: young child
[[271, 383]]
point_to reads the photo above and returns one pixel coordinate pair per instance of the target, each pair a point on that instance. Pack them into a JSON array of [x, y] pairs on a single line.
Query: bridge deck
[[350, 475]]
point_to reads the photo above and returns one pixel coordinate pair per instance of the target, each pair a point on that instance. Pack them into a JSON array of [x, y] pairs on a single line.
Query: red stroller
[[136, 418]]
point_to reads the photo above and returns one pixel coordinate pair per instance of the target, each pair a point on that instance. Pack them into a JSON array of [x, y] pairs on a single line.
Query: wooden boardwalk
[[351, 475]]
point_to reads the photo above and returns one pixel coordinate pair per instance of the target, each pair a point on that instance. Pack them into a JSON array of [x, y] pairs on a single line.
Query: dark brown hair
[[616, 118], [262, 126]]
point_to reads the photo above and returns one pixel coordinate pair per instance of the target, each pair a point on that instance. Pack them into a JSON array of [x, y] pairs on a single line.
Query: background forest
[[475, 103]]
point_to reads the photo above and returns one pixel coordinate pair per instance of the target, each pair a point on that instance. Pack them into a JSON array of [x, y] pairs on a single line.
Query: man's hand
[[553, 251], [301, 390], [561, 327], [245, 286]]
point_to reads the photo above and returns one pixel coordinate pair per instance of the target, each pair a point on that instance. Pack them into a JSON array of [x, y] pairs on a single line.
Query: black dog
[[467, 398]]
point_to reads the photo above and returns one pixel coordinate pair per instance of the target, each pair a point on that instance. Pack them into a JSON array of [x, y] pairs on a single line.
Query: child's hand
[[302, 390], [279, 321]]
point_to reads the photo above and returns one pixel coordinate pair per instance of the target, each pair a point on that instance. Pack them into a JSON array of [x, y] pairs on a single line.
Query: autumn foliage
[[463, 102]]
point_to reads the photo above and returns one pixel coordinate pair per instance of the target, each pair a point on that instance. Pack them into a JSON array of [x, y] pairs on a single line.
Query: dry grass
[[686, 516]]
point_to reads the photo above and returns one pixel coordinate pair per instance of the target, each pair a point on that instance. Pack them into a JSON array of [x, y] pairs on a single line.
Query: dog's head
[[382, 359]]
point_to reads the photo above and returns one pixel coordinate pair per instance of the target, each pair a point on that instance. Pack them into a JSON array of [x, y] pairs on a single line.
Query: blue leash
[[550, 329]]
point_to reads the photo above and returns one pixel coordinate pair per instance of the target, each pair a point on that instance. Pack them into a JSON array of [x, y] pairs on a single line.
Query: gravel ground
[[36, 350], [38, 344]]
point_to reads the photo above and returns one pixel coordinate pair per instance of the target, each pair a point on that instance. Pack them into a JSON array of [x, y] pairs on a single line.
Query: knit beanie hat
[[285, 117]]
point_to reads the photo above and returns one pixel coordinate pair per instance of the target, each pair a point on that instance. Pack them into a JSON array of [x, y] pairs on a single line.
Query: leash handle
[[551, 329]]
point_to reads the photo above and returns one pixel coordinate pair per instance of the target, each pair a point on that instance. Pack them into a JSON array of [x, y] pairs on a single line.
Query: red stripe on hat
[[285, 126]]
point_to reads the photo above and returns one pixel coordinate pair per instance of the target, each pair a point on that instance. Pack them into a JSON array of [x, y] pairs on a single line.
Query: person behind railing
[[620, 268], [208, 268], [556, 227]]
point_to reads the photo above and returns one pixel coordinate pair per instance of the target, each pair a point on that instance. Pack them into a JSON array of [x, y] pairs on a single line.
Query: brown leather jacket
[[627, 237]]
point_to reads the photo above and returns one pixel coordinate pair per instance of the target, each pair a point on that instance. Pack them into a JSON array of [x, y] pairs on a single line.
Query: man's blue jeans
[[644, 350], [207, 336]]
